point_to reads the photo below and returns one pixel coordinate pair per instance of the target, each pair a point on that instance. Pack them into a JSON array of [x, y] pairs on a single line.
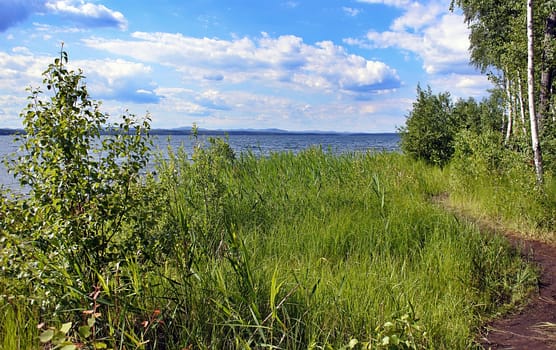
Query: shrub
[[429, 129], [71, 232]]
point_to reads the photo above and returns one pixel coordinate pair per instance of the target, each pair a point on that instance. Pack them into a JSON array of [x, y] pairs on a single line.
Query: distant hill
[[201, 131], [11, 131], [269, 131]]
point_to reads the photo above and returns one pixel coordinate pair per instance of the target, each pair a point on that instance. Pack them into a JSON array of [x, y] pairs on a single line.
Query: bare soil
[[534, 325]]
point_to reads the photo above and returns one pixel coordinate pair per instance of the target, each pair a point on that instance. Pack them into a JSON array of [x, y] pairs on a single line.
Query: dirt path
[[533, 327]]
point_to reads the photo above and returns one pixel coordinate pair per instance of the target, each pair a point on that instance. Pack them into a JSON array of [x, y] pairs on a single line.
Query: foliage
[[312, 250], [218, 251], [502, 46], [81, 184], [493, 179], [428, 132], [478, 153], [484, 116], [321, 249], [76, 226], [434, 121], [548, 146]]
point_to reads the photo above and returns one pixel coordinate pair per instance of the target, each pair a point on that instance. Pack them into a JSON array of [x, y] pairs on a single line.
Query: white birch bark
[[509, 110], [537, 155], [521, 104]]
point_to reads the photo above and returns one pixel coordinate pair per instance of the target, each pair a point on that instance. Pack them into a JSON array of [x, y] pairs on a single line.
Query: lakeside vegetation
[[295, 251], [310, 250], [233, 251]]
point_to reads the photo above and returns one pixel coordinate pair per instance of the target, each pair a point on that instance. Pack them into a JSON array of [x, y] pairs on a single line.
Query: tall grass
[[330, 248], [498, 185], [296, 251]]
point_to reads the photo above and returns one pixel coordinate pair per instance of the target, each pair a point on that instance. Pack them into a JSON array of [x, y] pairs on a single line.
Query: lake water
[[259, 144]]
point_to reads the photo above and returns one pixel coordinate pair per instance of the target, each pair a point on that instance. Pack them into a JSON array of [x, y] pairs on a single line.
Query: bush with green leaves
[[76, 225], [433, 123], [429, 129]]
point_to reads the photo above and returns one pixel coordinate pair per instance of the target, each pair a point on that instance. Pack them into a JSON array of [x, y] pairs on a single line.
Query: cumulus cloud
[[462, 85], [20, 69], [442, 45], [106, 79], [418, 15], [212, 99], [119, 80], [79, 12], [87, 14], [286, 59], [395, 3], [440, 39]]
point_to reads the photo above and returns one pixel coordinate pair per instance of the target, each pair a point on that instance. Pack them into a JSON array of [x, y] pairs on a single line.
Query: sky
[[328, 65]]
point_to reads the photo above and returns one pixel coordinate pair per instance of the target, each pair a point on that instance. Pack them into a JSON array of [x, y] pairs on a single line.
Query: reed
[[295, 251]]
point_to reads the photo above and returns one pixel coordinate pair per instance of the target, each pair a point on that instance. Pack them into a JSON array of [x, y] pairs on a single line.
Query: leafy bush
[[476, 154], [75, 228], [434, 122], [429, 128]]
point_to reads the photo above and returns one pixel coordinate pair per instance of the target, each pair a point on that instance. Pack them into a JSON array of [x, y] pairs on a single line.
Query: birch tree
[[537, 155], [498, 43]]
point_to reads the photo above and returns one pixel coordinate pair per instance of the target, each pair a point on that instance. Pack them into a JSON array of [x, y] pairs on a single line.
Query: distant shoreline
[[6, 131]]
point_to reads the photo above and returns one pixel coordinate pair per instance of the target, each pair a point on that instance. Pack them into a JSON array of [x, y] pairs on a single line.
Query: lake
[[258, 143]]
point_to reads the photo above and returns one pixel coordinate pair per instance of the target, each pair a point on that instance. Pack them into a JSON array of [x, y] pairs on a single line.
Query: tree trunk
[[509, 110], [537, 155], [547, 74], [521, 104]]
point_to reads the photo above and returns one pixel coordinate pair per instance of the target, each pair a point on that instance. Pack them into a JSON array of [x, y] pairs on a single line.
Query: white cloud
[[51, 29], [395, 3], [20, 70], [462, 85], [351, 11], [270, 61], [88, 13], [438, 37], [446, 45], [418, 15], [119, 79], [106, 79], [442, 45], [183, 106], [22, 50], [291, 4], [80, 12]]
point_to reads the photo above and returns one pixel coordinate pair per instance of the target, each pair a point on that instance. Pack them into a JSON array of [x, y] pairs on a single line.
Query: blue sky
[[349, 65]]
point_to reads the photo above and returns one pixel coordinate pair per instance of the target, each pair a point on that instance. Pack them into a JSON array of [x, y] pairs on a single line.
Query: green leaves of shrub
[[84, 181], [80, 170]]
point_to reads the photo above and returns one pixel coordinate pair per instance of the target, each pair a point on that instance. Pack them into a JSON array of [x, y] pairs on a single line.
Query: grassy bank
[[291, 251]]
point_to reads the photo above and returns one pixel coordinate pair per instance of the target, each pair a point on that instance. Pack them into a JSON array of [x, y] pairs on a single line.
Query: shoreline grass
[[297, 251]]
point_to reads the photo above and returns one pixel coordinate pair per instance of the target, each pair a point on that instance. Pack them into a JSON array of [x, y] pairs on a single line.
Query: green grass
[[509, 199], [297, 251]]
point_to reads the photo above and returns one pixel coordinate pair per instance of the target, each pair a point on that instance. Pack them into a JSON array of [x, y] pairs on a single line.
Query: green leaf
[[46, 336], [99, 345], [85, 331], [65, 328], [69, 347]]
